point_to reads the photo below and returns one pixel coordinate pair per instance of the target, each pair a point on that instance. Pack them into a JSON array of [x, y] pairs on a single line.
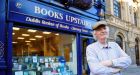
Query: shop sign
[[44, 11], [43, 15]]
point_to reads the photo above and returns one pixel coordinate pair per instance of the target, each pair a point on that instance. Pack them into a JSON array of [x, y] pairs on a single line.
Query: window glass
[[117, 10], [39, 50]]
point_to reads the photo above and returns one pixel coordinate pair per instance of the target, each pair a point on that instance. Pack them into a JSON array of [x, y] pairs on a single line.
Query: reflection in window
[[119, 40], [117, 10]]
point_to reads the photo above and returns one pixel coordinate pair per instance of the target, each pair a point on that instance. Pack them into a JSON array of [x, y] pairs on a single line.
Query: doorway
[[85, 41]]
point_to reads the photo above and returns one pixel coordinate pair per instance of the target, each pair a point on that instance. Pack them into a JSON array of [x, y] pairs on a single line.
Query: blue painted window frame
[[10, 30]]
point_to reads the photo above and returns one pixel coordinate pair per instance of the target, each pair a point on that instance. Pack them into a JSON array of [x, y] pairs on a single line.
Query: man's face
[[101, 32]]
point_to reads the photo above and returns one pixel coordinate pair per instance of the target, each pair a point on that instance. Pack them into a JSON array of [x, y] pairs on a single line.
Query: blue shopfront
[[39, 38]]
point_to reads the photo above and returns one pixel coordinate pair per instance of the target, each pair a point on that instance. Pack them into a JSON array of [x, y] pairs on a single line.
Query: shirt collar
[[107, 46]]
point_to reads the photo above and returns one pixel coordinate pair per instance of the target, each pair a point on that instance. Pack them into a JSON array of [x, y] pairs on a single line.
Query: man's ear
[[94, 33]]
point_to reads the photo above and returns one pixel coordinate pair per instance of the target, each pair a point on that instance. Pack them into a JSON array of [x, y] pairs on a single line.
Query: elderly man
[[103, 57]]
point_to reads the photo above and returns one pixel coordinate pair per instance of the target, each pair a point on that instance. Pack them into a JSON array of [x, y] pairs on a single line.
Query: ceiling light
[[25, 35], [32, 39], [15, 28], [14, 42], [31, 30], [28, 41], [20, 38], [38, 36], [13, 33], [57, 34], [46, 32]]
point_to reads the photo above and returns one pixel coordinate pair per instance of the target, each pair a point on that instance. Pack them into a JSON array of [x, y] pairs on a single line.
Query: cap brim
[[99, 24]]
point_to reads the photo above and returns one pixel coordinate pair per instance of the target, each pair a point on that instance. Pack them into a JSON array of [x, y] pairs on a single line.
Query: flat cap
[[99, 23]]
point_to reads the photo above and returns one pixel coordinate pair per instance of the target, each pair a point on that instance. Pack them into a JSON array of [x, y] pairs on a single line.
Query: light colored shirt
[[96, 53]]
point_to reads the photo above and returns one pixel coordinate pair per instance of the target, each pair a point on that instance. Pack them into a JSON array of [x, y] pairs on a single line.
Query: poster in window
[[19, 73], [34, 59]]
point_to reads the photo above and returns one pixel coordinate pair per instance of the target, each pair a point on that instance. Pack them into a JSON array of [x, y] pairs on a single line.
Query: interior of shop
[[35, 48]]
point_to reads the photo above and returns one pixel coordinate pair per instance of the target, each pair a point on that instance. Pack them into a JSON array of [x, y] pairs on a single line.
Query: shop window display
[[37, 52]]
